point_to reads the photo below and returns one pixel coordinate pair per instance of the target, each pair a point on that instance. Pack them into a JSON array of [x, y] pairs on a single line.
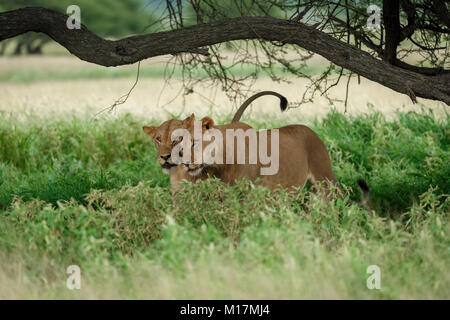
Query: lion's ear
[[149, 130], [207, 123], [189, 121]]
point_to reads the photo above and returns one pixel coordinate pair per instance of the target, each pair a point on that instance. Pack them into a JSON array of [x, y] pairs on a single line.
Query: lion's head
[[165, 141]]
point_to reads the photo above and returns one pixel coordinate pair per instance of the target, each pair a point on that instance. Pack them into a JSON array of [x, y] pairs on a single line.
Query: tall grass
[[64, 159], [90, 193]]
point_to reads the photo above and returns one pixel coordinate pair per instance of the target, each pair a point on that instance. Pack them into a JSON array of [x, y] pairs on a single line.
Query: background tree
[[111, 19], [408, 53]]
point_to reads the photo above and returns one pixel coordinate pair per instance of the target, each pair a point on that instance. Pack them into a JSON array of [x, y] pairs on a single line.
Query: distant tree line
[[110, 19]]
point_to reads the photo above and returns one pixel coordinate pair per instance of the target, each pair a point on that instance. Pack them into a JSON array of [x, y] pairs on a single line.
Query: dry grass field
[[157, 99]]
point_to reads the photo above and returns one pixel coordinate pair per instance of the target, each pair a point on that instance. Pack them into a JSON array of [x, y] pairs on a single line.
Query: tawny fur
[[161, 135], [302, 157]]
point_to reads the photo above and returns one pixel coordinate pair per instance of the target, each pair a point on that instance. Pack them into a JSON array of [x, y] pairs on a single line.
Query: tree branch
[[442, 12], [89, 47], [391, 18]]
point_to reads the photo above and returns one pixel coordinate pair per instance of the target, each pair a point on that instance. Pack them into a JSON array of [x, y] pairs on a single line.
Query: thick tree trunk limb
[[89, 47], [391, 18]]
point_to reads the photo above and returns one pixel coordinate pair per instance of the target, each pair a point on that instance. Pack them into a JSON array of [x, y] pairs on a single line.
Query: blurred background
[[39, 76]]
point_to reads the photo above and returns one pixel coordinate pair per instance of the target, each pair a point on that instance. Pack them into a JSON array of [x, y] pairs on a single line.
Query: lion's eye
[[158, 139]]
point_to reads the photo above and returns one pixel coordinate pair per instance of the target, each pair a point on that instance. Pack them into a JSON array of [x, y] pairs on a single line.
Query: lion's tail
[[240, 112], [365, 190]]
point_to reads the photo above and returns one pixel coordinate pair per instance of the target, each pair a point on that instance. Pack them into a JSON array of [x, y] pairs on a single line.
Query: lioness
[[162, 135], [302, 157]]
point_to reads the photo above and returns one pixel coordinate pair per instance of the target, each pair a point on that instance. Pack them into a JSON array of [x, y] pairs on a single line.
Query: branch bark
[[391, 18], [89, 47]]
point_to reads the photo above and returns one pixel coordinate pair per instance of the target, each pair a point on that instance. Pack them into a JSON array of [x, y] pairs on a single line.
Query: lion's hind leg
[[327, 187]]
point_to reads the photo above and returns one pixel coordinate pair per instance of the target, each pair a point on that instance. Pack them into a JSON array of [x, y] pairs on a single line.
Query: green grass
[[90, 193]]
